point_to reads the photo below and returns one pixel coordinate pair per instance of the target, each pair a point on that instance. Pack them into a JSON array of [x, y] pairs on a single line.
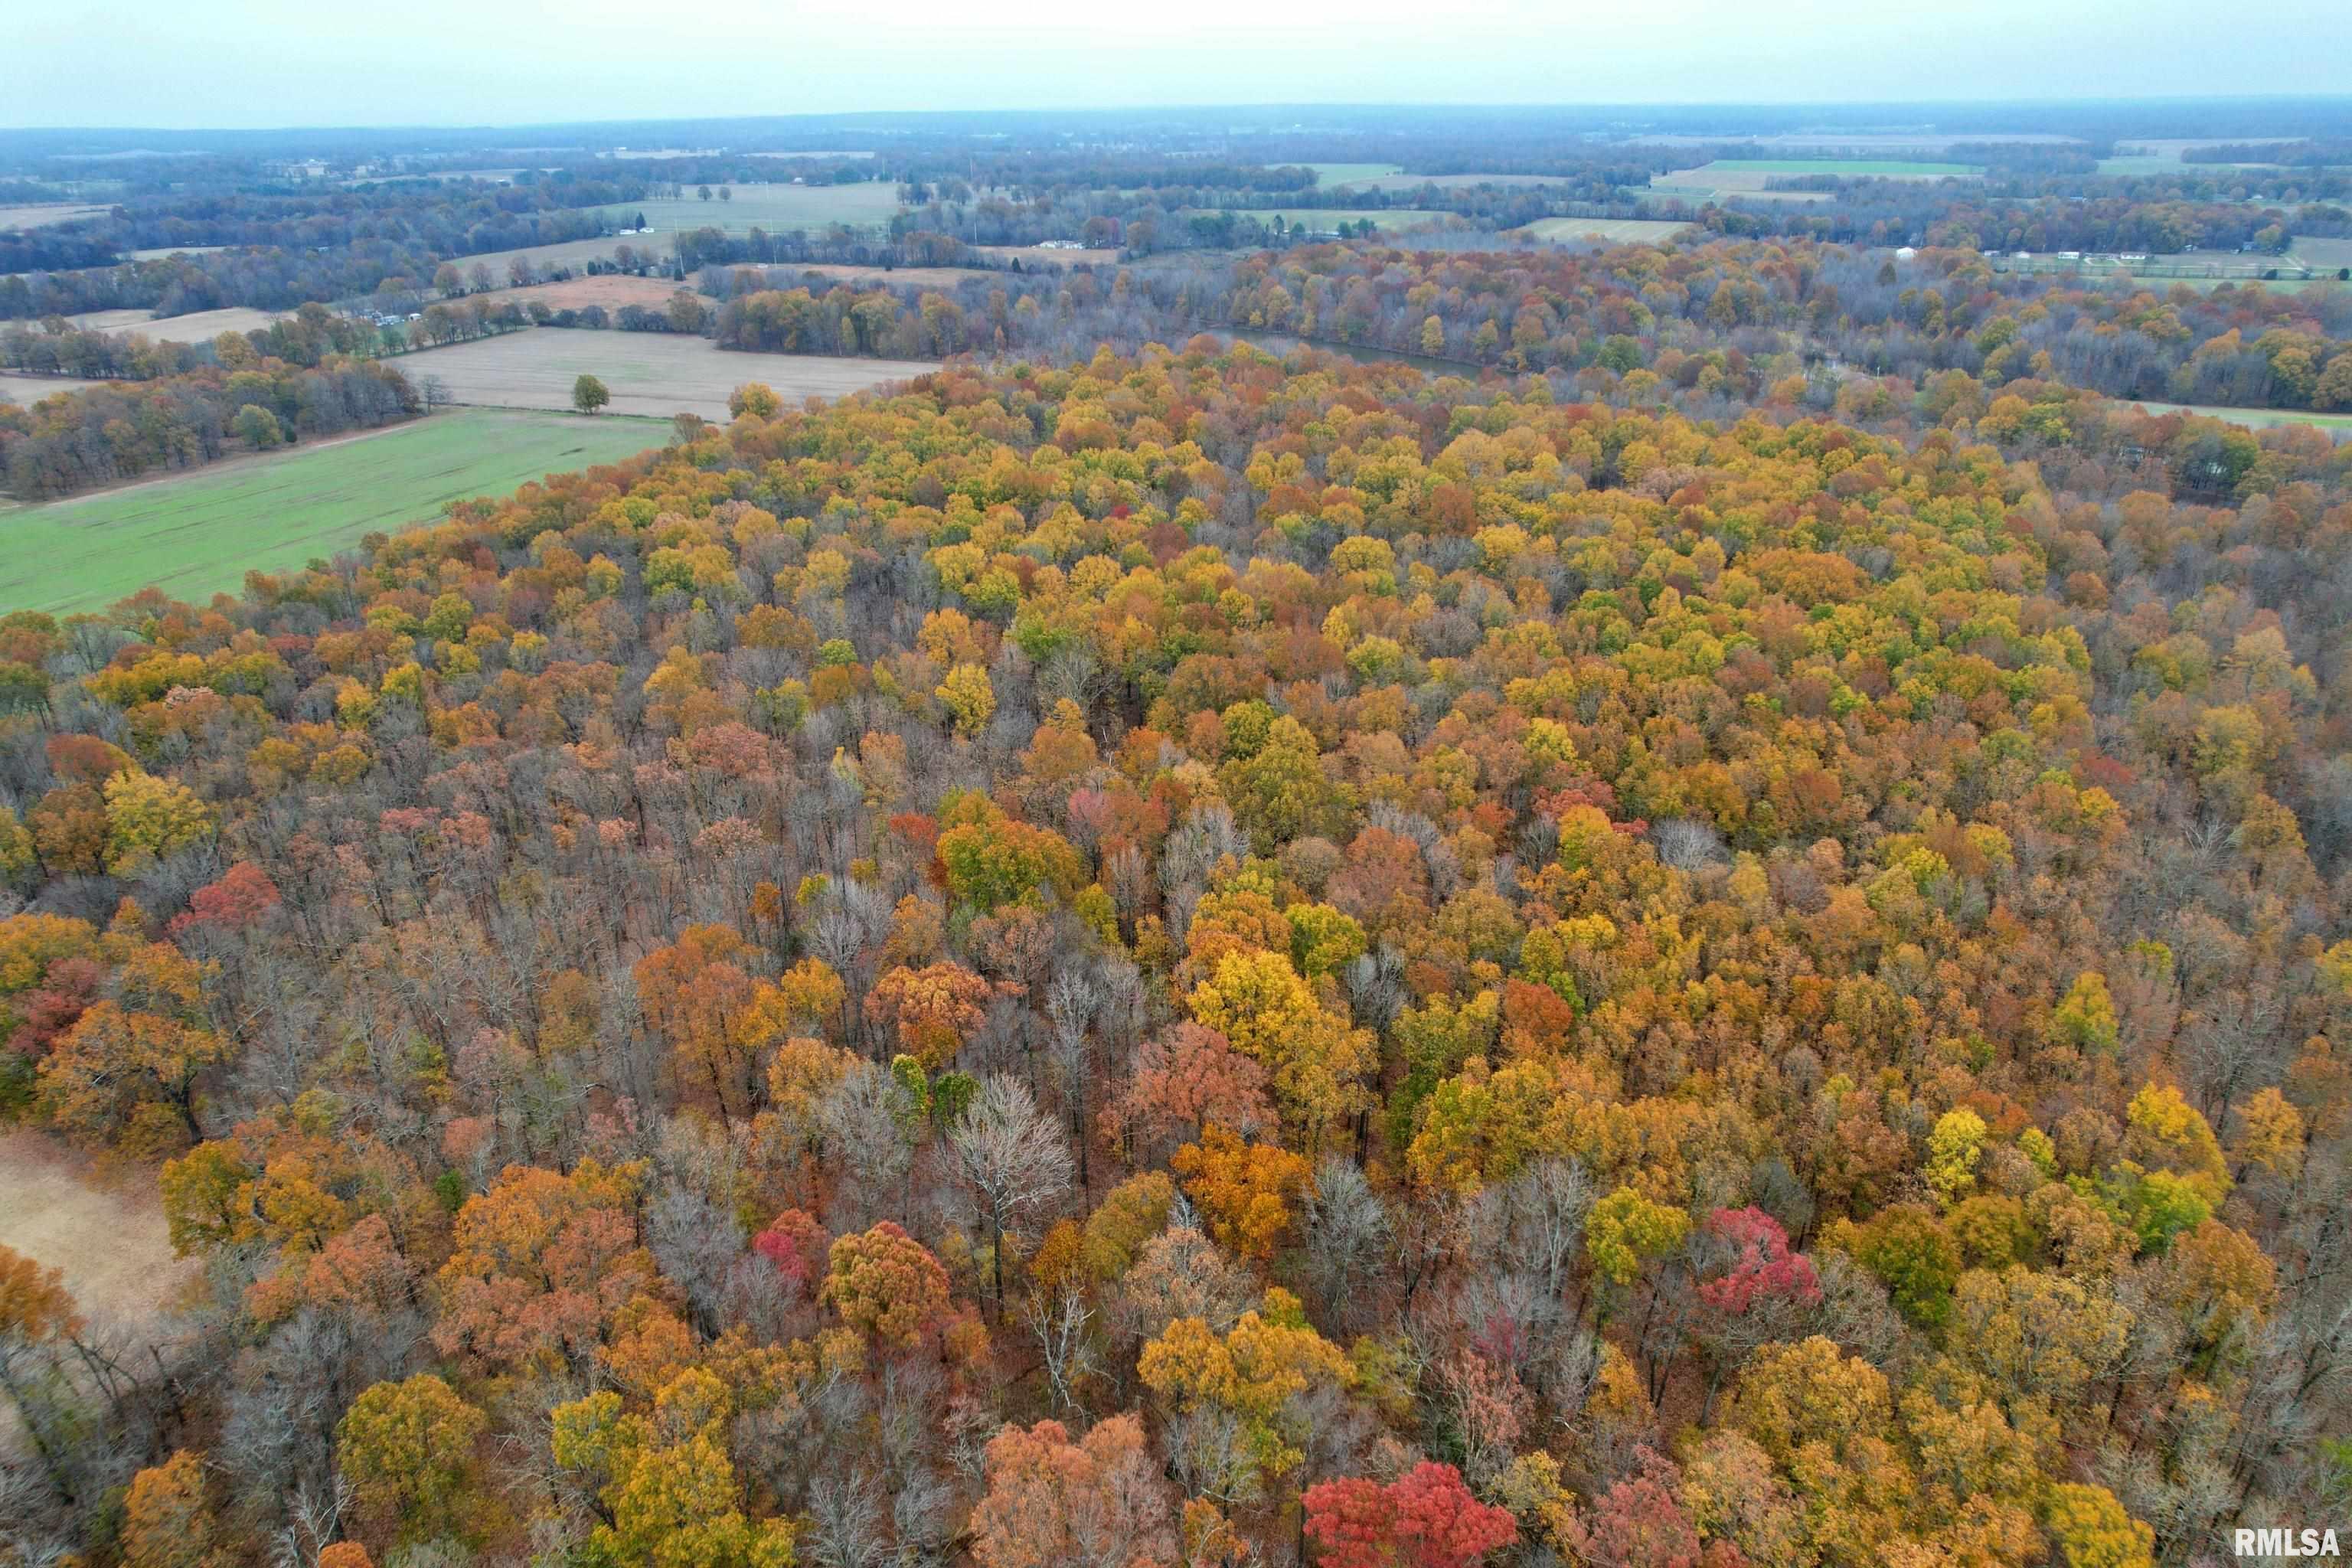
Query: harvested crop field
[[199, 326], [612, 290], [28, 390], [196, 532], [1616, 230], [106, 1233], [651, 374], [42, 214]]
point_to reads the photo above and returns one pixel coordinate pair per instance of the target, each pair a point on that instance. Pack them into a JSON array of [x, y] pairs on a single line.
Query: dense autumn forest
[[1206, 959]]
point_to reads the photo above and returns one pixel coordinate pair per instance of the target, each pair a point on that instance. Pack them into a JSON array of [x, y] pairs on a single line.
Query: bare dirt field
[[106, 1233], [41, 215], [651, 373], [28, 390], [199, 326]]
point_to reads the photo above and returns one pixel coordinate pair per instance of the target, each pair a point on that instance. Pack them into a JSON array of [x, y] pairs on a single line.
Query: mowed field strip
[[197, 532], [2257, 418], [649, 373], [1616, 230]]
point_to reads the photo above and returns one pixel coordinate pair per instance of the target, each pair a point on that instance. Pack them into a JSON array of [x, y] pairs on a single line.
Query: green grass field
[[2323, 252], [870, 204], [197, 533], [2256, 419]]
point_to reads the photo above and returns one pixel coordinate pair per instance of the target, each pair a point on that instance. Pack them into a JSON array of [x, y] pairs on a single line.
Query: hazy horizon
[[277, 64]]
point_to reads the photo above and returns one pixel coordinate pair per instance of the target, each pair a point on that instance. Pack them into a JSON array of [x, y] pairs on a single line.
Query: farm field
[[42, 214], [2197, 268], [198, 326], [612, 290], [1329, 174], [867, 204], [1618, 230], [161, 252], [28, 390], [2257, 418], [198, 532], [2329, 253], [1749, 178], [1712, 182], [649, 373]]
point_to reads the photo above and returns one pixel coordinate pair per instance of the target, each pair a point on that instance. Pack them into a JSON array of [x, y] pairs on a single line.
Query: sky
[[243, 64]]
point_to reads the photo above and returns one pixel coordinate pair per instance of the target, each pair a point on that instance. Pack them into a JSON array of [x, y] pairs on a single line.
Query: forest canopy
[[1197, 957]]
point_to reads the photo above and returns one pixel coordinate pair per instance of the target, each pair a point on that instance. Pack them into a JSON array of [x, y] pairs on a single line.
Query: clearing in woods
[[2256, 419], [107, 1236], [197, 532], [653, 373], [1616, 230]]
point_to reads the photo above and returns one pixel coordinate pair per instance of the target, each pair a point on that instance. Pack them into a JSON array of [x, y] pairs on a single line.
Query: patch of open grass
[[198, 532]]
